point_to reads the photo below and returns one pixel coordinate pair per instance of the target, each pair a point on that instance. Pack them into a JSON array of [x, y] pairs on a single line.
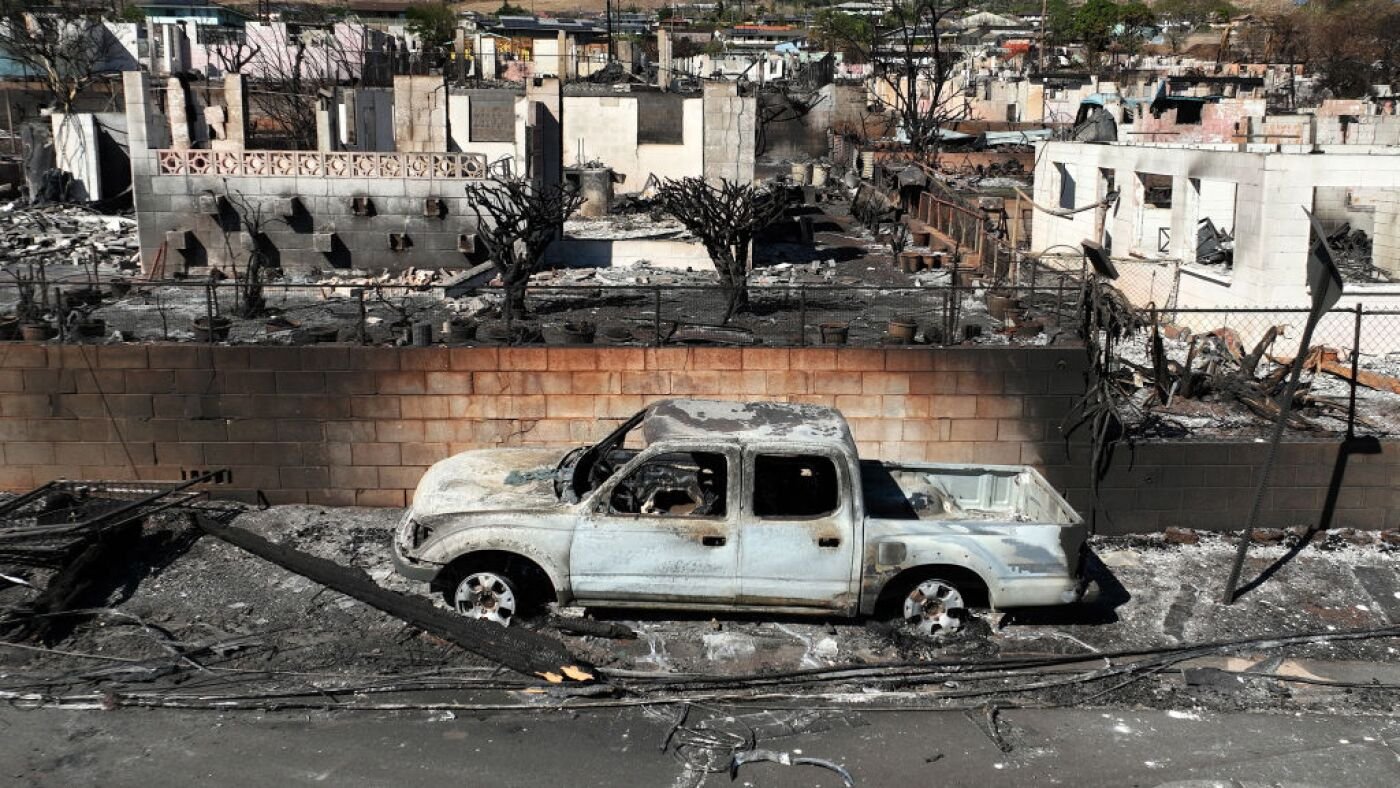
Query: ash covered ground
[[283, 631], [851, 276]]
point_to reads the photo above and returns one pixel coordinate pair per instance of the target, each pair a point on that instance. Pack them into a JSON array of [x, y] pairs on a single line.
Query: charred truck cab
[[762, 506]]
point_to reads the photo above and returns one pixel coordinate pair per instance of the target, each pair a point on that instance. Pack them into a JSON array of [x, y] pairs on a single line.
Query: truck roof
[[744, 421]]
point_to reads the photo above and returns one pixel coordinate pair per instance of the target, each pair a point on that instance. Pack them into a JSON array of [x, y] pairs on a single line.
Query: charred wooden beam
[[520, 650]]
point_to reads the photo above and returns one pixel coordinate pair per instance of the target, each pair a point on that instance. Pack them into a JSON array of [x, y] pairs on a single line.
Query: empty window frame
[[1154, 219], [795, 486], [1067, 185], [1215, 222], [675, 484]]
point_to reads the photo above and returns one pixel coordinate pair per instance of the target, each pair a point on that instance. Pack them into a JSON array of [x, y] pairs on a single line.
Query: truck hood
[[489, 480]]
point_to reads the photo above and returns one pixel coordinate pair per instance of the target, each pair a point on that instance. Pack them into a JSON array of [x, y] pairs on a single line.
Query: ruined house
[[384, 189]]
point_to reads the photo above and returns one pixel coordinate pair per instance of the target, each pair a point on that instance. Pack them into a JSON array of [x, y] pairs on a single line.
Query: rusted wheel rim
[[934, 606], [485, 596]]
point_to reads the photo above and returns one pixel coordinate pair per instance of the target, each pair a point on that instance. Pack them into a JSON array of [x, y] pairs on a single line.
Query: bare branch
[[516, 221], [725, 218]]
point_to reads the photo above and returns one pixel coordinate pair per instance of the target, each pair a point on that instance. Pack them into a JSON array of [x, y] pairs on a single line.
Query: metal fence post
[[209, 312], [656, 318], [1355, 363], [802, 316], [361, 329]]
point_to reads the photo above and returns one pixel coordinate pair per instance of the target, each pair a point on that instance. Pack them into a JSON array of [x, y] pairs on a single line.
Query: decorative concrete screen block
[[400, 242], [323, 242], [177, 240], [305, 164], [362, 206]]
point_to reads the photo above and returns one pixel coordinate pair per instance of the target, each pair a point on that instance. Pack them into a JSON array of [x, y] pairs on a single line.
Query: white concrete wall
[[460, 113], [605, 129], [658, 252], [75, 151], [1271, 230], [420, 114], [1217, 202]]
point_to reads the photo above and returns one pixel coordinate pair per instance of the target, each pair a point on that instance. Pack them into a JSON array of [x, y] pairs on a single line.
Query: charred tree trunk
[[725, 218]]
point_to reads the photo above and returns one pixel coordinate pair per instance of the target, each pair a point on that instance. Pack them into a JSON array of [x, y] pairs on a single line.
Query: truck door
[[798, 545], [663, 530]]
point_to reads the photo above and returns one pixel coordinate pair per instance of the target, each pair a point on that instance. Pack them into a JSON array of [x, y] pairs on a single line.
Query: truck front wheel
[[485, 596], [496, 587]]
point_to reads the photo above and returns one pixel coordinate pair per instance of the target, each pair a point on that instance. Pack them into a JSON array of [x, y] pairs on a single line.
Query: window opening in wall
[[1215, 223], [1362, 227], [1067, 186], [1108, 179], [1154, 219], [674, 484], [803, 485]]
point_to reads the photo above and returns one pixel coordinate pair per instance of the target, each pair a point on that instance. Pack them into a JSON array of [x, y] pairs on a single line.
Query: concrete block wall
[[169, 202], [730, 126], [325, 207], [340, 425]]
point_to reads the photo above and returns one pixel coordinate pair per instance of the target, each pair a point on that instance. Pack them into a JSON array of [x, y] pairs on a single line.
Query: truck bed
[[938, 491]]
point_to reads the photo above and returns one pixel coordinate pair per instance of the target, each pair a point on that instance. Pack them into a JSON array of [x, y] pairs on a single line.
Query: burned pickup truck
[[730, 506]]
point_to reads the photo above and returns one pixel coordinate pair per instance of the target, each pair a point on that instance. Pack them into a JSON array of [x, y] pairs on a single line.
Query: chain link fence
[[791, 315]]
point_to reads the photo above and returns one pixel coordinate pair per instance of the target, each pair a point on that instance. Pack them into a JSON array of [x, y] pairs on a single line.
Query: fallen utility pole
[[1325, 282], [520, 650]]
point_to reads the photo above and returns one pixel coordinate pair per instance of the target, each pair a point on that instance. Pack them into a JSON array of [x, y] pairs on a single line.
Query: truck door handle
[[713, 541], [829, 541]]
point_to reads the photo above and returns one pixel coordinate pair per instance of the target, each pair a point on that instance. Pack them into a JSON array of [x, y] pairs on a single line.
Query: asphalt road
[[1079, 747]]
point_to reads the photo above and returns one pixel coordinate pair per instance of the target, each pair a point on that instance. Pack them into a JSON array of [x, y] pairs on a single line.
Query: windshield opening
[[600, 460]]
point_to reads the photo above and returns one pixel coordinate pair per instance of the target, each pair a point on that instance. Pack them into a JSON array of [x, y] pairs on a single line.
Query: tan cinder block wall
[[338, 425]]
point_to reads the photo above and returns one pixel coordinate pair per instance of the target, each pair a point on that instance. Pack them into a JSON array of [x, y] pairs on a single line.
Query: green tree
[[851, 35], [433, 24], [1093, 27], [1135, 23]]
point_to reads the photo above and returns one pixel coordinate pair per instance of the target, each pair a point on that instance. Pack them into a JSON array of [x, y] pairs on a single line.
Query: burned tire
[[929, 604], [497, 591], [934, 606]]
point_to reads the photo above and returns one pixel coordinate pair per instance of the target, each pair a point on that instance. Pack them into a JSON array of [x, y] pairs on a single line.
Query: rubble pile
[[1351, 251], [1195, 378], [66, 234]]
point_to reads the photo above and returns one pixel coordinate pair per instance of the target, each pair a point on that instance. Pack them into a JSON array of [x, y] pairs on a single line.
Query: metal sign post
[[1325, 282]]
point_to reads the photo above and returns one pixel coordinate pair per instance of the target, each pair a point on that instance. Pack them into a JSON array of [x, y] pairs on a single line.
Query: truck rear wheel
[[934, 606]]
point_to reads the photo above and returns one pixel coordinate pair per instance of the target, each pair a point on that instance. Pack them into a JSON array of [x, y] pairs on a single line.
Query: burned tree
[[292, 66], [725, 218], [913, 67], [64, 43], [516, 220], [230, 50], [252, 219]]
